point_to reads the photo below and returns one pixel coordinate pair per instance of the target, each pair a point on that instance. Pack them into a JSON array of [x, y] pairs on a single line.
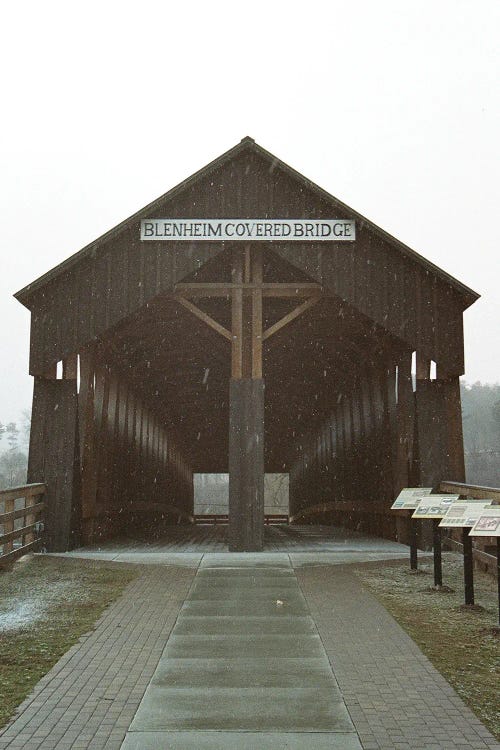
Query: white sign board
[[434, 506], [265, 230], [488, 524], [409, 497], [463, 514]]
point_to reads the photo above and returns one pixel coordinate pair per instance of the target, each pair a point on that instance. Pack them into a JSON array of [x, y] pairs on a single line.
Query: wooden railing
[[20, 524], [482, 557], [345, 507], [270, 519], [474, 491]]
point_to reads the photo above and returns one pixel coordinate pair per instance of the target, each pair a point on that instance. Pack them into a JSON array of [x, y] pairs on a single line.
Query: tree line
[[14, 442]]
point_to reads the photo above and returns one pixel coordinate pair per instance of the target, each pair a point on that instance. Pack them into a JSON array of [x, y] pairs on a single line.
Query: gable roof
[[246, 144]]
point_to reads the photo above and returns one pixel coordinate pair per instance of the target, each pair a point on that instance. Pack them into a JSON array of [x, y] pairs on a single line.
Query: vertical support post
[[405, 430], [498, 576], [246, 465], [413, 544], [53, 457], [8, 526], [88, 457], [429, 438], [237, 317], [468, 567], [257, 313], [436, 546], [246, 407], [449, 387]]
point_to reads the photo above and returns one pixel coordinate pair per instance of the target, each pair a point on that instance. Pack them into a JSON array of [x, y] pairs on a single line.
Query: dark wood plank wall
[[129, 461], [397, 292], [362, 451], [53, 459]]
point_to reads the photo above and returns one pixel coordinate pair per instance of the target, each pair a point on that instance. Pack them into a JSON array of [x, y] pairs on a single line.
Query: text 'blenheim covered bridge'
[[170, 325]]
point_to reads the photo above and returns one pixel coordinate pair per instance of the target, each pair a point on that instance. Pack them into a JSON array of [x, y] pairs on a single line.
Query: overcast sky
[[391, 106]]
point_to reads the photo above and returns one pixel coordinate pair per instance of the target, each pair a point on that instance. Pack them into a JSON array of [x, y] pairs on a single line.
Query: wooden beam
[[220, 289], [292, 315], [203, 316], [423, 367], [236, 315], [70, 367], [257, 336]]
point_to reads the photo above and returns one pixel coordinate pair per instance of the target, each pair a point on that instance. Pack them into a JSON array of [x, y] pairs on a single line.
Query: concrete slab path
[[208, 657], [245, 663]]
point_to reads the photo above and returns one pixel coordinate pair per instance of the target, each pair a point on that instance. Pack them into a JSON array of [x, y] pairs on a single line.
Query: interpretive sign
[[462, 514], [298, 230], [409, 497], [487, 524], [434, 506]]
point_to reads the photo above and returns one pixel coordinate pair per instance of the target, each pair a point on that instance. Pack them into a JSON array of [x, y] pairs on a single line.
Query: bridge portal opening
[[211, 495]]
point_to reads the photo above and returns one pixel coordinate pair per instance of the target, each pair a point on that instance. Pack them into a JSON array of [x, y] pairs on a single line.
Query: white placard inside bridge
[[265, 230]]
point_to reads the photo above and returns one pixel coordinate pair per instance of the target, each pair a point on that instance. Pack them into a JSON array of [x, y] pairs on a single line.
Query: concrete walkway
[[243, 668], [246, 651]]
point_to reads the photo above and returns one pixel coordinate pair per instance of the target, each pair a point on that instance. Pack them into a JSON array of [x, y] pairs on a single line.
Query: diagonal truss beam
[[292, 315], [204, 317]]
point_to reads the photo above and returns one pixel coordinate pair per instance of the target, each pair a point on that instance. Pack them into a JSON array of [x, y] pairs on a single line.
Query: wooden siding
[[123, 274]]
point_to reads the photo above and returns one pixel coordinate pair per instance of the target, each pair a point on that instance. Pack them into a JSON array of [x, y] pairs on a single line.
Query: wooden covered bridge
[[246, 321]]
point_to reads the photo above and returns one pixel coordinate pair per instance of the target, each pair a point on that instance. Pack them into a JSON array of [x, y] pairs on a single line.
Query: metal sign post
[[488, 524], [463, 514], [435, 507], [408, 500], [436, 548]]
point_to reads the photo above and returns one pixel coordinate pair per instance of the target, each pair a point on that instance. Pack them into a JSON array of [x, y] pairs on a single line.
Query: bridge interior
[[330, 395]]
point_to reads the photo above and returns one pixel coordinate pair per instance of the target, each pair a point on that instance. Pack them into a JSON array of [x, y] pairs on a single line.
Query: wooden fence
[[483, 556], [214, 519], [20, 524]]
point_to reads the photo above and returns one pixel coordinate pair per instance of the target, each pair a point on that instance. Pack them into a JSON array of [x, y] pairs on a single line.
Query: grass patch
[[461, 642], [47, 604]]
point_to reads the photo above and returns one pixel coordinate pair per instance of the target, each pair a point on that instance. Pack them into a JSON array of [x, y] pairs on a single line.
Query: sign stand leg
[[498, 574], [468, 567], [413, 545], [438, 568]]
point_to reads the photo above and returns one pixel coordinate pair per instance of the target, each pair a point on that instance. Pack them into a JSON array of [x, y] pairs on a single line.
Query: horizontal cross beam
[[268, 290]]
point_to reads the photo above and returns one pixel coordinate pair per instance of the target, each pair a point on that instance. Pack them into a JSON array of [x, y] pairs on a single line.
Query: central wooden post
[[246, 392], [246, 406]]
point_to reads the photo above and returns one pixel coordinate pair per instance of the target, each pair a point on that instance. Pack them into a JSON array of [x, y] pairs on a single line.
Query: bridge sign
[[266, 230]]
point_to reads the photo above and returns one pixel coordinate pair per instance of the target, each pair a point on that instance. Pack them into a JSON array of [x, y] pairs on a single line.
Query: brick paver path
[[394, 696], [396, 699], [91, 695]]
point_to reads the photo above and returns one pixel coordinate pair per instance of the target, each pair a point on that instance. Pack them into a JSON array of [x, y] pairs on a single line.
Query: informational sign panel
[[464, 514], [488, 524], [434, 506], [409, 497], [244, 230]]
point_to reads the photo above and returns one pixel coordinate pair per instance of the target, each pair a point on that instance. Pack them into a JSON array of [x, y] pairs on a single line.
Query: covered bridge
[[246, 321]]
